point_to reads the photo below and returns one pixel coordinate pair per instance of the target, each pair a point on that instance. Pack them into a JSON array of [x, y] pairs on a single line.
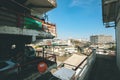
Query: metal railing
[[48, 56], [82, 72]]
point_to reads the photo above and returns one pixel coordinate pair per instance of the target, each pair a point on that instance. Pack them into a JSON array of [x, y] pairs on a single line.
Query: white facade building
[[101, 39]]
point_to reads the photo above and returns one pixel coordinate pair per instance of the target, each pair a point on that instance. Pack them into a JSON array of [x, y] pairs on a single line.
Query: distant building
[[100, 39]]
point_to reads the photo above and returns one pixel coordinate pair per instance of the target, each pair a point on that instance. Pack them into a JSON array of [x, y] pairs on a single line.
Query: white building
[[101, 39]]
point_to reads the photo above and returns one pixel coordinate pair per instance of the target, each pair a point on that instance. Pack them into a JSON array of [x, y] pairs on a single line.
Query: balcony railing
[[13, 19], [47, 56], [83, 69], [49, 27]]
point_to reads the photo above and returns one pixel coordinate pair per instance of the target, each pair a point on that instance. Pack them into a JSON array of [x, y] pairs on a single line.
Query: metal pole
[[43, 52]]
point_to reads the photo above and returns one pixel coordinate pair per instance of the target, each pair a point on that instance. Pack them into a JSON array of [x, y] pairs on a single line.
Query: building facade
[[111, 18], [100, 39]]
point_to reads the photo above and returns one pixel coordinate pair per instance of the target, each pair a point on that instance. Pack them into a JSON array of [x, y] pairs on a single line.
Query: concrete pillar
[[118, 39], [118, 45]]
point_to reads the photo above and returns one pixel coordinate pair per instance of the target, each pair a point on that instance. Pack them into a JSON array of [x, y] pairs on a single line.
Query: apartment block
[[100, 39]]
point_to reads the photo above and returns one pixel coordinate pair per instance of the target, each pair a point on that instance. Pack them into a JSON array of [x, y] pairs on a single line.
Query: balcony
[[40, 6], [33, 6], [25, 66], [50, 28], [13, 23], [105, 68], [109, 12]]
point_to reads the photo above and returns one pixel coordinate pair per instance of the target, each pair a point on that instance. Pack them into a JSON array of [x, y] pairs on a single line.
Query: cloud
[[81, 3]]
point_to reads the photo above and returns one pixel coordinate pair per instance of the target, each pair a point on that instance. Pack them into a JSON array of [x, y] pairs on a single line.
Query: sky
[[78, 19]]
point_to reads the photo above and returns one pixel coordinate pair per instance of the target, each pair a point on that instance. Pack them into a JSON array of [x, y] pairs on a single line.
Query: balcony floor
[[105, 68]]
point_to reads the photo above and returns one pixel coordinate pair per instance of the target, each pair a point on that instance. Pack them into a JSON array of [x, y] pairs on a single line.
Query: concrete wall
[[118, 44], [118, 38]]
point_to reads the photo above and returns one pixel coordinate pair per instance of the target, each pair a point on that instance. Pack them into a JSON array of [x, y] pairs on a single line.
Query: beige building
[[100, 39]]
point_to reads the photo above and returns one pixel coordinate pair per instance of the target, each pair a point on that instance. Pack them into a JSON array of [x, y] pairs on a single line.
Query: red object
[[42, 67]]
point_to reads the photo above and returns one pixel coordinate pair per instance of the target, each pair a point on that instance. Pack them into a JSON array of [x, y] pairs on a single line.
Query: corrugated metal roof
[[75, 60], [64, 74]]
